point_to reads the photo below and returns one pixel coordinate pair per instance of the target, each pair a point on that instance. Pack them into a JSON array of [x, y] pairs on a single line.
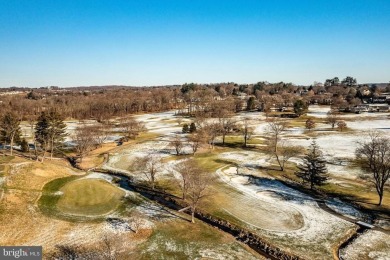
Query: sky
[[142, 43]]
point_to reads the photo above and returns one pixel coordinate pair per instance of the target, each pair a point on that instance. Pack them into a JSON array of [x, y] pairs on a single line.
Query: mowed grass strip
[[89, 197]]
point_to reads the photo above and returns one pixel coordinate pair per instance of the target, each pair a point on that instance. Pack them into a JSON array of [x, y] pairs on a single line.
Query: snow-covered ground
[[269, 198], [318, 111], [347, 210], [246, 158], [97, 175], [284, 215], [161, 123], [339, 147], [321, 112], [370, 245]]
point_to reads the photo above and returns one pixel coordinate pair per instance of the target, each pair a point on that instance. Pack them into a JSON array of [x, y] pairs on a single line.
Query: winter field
[[257, 201], [248, 192]]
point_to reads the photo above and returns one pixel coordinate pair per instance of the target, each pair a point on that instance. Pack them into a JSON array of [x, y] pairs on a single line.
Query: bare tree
[[285, 153], [136, 222], [196, 140], [131, 127], [276, 146], [310, 124], [31, 122], [332, 118], [186, 169], [226, 123], [211, 131], [275, 129], [83, 140], [178, 144], [341, 125], [198, 189], [246, 131], [9, 129], [150, 167], [374, 157], [100, 133]]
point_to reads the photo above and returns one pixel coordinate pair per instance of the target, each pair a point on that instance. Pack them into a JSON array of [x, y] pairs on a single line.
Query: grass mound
[[89, 197]]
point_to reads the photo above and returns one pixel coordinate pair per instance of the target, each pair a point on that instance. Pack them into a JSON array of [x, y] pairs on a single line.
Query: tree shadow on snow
[[278, 189]]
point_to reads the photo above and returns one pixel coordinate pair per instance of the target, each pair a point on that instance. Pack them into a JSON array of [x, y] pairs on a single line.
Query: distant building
[[370, 108]]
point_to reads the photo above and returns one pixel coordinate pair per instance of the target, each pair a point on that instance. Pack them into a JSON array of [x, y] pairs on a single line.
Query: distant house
[[379, 108], [370, 108], [360, 109], [379, 99]]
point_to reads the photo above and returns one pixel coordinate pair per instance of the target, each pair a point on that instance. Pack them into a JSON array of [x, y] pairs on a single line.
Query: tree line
[[102, 103]]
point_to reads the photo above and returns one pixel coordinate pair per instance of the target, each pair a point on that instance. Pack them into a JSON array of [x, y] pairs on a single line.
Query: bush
[[192, 127], [341, 125], [185, 128], [310, 124], [24, 146]]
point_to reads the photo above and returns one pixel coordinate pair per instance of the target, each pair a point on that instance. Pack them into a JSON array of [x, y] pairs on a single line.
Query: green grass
[[238, 141], [209, 161], [183, 240], [48, 201], [89, 197], [78, 195]]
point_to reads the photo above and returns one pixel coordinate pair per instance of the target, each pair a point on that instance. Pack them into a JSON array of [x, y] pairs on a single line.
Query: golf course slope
[[89, 197]]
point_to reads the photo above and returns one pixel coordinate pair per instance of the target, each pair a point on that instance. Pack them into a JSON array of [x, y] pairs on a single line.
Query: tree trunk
[[35, 149], [193, 216], [4, 148], [12, 144], [43, 156], [280, 164], [380, 199], [51, 149]]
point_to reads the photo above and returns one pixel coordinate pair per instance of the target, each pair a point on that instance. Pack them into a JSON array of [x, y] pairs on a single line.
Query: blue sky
[[80, 42]]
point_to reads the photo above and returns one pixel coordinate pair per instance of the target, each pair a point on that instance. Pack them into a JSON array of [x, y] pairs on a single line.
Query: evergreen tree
[[313, 170], [192, 127], [300, 107], [50, 131], [185, 128], [24, 145], [9, 129], [251, 104], [42, 131]]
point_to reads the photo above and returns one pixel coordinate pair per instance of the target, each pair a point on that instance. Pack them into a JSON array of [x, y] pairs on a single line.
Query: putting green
[[89, 197]]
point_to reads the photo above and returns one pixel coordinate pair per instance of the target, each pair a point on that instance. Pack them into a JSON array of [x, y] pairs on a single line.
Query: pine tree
[[313, 170], [50, 131], [192, 127], [185, 128], [300, 107], [24, 145], [42, 131]]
